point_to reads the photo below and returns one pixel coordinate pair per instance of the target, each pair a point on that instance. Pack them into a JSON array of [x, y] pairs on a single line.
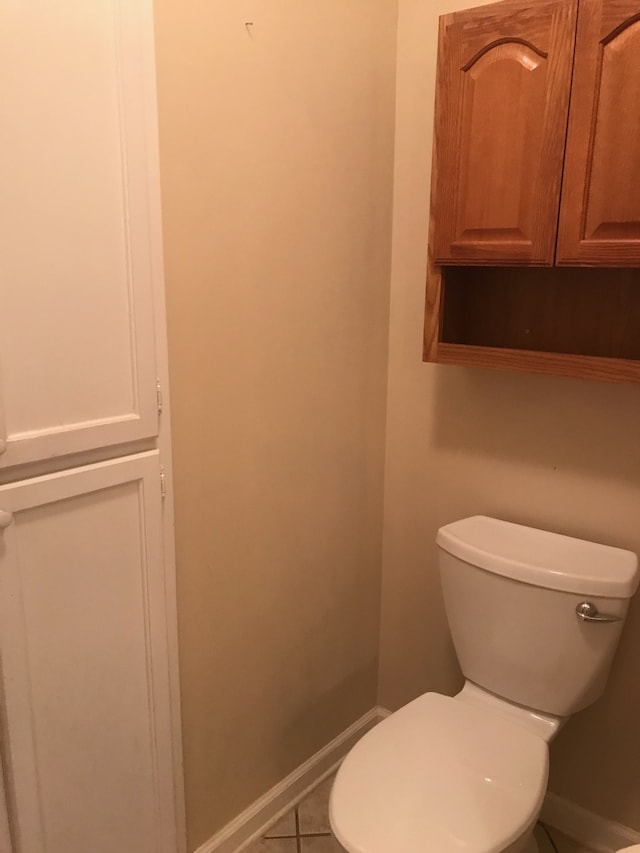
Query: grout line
[[549, 836], [298, 841]]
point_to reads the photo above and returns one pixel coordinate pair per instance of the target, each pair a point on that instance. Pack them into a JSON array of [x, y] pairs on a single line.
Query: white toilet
[[535, 618]]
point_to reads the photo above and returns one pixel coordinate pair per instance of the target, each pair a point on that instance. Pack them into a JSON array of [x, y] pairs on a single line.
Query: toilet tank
[[512, 594]]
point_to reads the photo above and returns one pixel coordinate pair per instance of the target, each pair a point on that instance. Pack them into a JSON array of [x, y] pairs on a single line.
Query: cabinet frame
[[593, 253], [143, 427]]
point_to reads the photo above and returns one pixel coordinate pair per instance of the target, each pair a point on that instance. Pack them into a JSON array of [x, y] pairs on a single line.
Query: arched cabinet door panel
[[504, 79], [600, 215]]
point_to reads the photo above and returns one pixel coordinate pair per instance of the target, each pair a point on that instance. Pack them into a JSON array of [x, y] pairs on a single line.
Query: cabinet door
[[78, 243], [504, 75], [600, 219], [87, 743]]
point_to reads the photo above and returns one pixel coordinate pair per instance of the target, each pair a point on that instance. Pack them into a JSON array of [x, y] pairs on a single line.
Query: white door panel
[[77, 361], [84, 661]]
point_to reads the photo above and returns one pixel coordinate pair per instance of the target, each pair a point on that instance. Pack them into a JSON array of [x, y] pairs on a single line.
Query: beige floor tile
[[285, 827], [313, 811], [272, 845], [320, 844]]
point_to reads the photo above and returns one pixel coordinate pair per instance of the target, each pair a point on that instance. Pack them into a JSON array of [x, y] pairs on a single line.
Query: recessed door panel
[[77, 241], [501, 89], [88, 762]]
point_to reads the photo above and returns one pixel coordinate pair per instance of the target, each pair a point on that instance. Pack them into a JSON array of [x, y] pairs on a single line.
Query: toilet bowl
[[468, 774], [442, 775]]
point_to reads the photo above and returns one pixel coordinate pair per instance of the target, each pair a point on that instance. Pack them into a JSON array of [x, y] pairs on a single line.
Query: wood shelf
[[529, 361], [567, 322], [579, 312]]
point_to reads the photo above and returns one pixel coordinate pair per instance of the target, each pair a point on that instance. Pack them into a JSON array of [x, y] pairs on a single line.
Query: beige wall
[[277, 166], [555, 453], [276, 149]]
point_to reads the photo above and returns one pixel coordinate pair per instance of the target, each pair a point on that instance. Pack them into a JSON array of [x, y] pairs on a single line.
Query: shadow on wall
[[316, 722], [603, 742], [564, 455], [560, 424]]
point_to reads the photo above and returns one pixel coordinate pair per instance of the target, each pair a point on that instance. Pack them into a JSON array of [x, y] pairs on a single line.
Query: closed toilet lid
[[439, 776]]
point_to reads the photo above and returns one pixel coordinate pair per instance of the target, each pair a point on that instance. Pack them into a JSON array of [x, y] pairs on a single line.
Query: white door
[[79, 235], [85, 675]]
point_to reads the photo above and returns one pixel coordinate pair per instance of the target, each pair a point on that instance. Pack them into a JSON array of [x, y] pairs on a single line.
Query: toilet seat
[[439, 776]]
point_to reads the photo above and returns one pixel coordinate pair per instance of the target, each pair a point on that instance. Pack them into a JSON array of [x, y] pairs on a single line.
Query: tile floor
[[306, 829]]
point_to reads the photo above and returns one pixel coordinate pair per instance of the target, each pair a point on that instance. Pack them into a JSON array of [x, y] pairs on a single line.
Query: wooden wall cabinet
[[537, 165], [600, 214]]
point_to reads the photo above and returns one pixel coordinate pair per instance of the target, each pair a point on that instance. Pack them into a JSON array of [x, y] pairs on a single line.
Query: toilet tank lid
[[540, 558]]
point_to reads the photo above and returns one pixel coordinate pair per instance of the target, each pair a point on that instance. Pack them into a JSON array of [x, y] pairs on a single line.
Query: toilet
[[535, 618]]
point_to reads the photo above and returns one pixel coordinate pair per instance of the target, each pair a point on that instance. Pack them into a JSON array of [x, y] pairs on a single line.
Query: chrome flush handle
[[588, 612]]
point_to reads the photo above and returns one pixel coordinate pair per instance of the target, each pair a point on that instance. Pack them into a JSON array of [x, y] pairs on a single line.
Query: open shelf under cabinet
[[567, 322]]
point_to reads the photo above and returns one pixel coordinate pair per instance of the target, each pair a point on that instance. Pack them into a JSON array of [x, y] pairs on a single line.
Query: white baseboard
[[254, 821], [595, 832]]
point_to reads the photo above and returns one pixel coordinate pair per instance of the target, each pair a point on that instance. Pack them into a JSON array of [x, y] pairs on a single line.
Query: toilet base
[[530, 847]]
